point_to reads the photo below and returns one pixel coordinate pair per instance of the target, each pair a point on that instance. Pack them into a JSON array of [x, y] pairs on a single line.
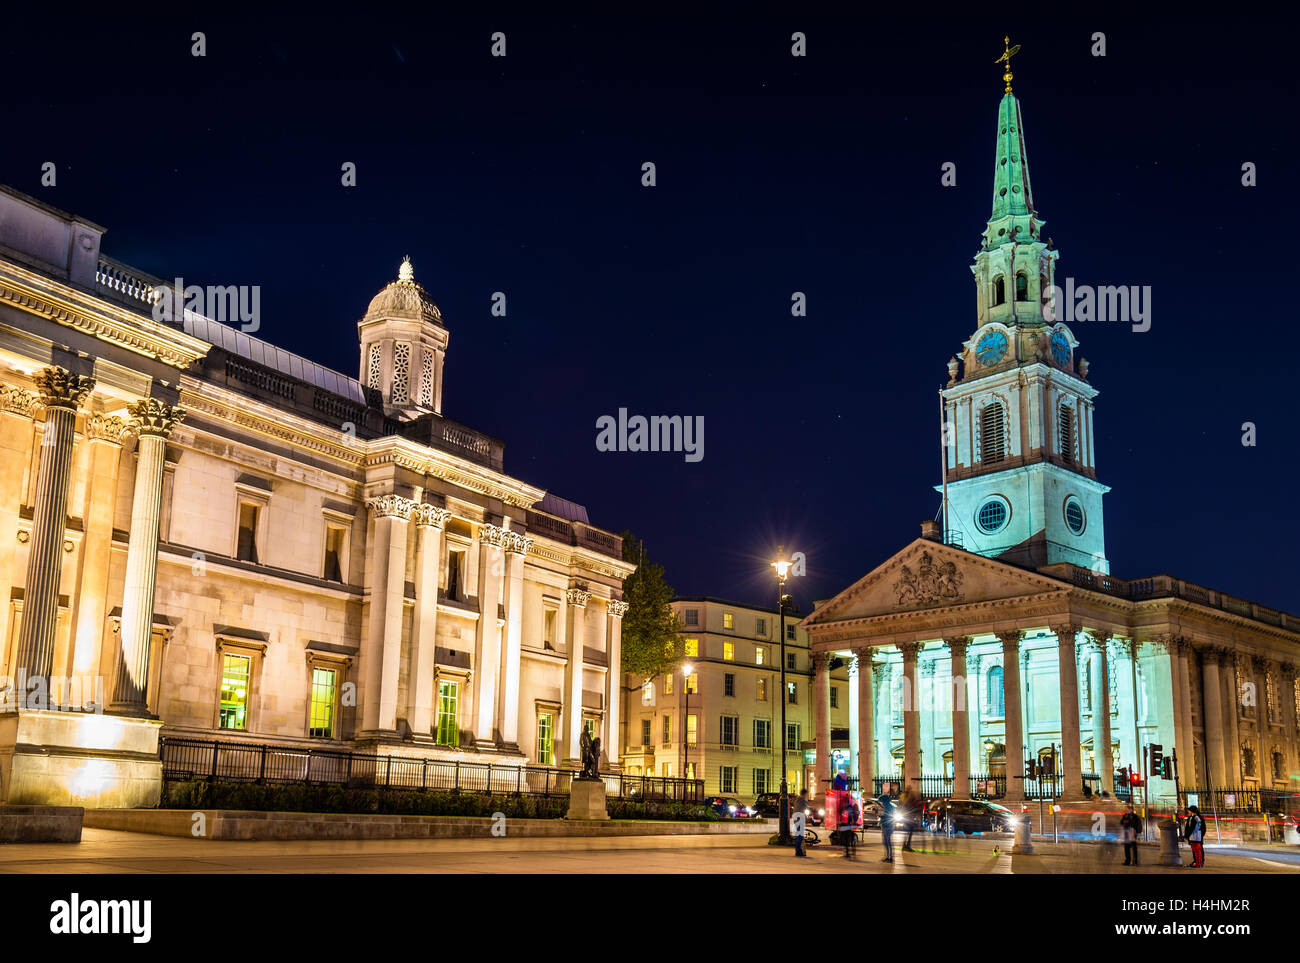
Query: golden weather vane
[[1007, 54]]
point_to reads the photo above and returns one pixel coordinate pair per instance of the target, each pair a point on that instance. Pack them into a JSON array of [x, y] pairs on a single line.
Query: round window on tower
[[992, 515], [1075, 519]]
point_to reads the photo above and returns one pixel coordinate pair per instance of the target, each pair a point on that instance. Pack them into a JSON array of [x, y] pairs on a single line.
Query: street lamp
[[782, 566], [687, 669]]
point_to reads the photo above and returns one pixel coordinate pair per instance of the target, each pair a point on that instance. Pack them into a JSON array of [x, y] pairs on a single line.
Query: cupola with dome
[[403, 346]]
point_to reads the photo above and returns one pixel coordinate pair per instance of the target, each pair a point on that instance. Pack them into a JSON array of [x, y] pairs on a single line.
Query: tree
[[652, 644]]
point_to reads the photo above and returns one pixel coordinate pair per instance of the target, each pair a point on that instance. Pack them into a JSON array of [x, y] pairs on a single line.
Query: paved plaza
[[106, 851]]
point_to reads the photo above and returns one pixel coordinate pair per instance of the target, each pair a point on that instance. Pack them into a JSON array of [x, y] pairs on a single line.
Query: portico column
[[382, 655], [866, 721], [911, 717], [516, 547], [931, 758], [1212, 700], [613, 739], [960, 726], [974, 718], [1231, 716], [487, 647], [420, 697], [1180, 652], [576, 600], [152, 421], [855, 734], [1014, 739], [822, 723], [1068, 677], [884, 717], [17, 429], [1286, 677], [1101, 748], [62, 393]]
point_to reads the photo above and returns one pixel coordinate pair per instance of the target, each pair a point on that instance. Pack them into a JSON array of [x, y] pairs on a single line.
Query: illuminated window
[[545, 738], [668, 730], [334, 537], [246, 547], [648, 694], [589, 724], [668, 684], [235, 674], [693, 683], [692, 650], [793, 693], [729, 651], [762, 734], [449, 713], [761, 694], [666, 770], [993, 702], [322, 703], [690, 770], [692, 730], [728, 620], [760, 655]]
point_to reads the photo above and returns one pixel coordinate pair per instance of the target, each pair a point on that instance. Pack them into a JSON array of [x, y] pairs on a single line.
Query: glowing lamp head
[[782, 564], [687, 669]]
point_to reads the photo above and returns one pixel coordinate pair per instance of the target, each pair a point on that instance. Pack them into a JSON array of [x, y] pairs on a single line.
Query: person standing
[[1130, 827], [910, 801], [1195, 833], [887, 826], [798, 820]]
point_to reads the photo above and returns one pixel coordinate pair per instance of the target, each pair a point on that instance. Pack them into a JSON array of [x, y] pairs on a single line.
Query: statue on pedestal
[[590, 755]]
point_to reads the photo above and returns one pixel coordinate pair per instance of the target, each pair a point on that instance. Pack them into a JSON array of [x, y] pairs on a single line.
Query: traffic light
[[1157, 766], [1167, 768], [1122, 772], [1031, 771], [1135, 778]]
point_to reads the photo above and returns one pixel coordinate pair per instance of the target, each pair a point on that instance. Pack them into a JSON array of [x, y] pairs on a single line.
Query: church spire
[[1011, 192]]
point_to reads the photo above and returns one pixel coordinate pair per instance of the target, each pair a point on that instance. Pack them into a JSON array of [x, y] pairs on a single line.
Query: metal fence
[[1250, 799], [213, 760]]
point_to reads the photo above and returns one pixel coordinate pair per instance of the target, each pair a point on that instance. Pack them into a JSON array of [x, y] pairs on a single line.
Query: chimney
[[930, 530]]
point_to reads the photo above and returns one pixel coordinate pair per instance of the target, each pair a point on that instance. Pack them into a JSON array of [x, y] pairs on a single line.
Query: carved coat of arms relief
[[931, 584]]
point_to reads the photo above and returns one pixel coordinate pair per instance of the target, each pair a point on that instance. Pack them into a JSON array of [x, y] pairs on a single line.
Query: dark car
[[728, 807], [871, 814], [768, 804], [972, 816]]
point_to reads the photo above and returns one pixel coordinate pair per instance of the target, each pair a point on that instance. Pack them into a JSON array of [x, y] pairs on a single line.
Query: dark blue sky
[[775, 174]]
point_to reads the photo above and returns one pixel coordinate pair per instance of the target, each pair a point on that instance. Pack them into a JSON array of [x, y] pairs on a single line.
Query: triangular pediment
[[930, 575]]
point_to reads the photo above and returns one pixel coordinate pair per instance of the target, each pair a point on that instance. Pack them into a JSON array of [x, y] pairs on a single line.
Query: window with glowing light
[[729, 651], [692, 730], [692, 650], [322, 703], [760, 655], [728, 620], [693, 683], [236, 671], [545, 739], [761, 691], [448, 713]]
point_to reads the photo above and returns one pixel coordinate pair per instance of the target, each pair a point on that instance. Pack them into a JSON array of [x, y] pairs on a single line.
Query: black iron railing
[[1249, 799], [213, 760]]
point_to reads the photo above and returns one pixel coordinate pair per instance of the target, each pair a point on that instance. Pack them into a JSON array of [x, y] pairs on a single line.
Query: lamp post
[[782, 566], [687, 669]]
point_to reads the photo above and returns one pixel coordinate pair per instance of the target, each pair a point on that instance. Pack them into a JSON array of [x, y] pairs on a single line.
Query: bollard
[[1169, 843], [1023, 846]]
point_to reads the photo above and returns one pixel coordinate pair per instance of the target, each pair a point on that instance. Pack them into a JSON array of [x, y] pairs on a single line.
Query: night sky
[[775, 174]]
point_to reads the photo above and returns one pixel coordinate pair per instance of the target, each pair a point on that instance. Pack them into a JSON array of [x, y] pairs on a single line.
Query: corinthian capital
[[577, 597], [105, 428], [516, 543], [18, 400], [154, 417], [391, 506], [617, 609], [1011, 637], [492, 536], [430, 516], [61, 388], [1066, 631], [957, 645], [910, 650]]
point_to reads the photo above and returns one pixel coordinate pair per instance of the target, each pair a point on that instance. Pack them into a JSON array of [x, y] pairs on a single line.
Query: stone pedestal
[[1169, 855], [50, 758], [587, 799], [1022, 846]]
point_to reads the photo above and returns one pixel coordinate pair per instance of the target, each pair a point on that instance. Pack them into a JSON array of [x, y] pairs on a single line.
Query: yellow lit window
[[668, 684], [692, 648], [760, 655], [691, 727], [235, 672], [729, 651], [693, 683], [762, 690], [728, 620], [322, 704], [448, 713], [545, 739]]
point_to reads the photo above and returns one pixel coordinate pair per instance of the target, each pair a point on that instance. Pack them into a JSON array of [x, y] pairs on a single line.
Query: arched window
[[999, 292], [1065, 432], [993, 701], [1022, 288], [1279, 764], [993, 433], [1248, 761]]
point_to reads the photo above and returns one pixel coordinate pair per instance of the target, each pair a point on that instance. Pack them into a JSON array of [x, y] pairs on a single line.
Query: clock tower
[[1020, 479]]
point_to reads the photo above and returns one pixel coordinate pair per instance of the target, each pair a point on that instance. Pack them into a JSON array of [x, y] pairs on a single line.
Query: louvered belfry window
[[993, 433], [1065, 422]]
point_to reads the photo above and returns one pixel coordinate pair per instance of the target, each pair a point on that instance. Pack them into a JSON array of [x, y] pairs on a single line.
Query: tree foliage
[[652, 643]]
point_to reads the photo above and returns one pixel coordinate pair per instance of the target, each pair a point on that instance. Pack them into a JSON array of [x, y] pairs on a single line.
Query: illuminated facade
[[216, 538], [732, 718], [999, 638]]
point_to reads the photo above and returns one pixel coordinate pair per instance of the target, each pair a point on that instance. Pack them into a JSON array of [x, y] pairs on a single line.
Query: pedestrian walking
[[887, 826], [1130, 827], [1194, 831], [799, 819], [849, 820], [910, 801]]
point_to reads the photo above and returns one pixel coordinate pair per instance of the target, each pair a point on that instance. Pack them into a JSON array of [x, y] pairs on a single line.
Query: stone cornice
[[405, 453], [1033, 608], [56, 301]]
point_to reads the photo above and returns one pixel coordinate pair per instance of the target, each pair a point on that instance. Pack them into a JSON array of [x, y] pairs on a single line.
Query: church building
[[204, 536], [998, 649]]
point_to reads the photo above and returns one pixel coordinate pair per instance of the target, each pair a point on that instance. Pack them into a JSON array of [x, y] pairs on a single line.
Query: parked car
[[767, 804], [729, 807], [871, 814], [972, 816]]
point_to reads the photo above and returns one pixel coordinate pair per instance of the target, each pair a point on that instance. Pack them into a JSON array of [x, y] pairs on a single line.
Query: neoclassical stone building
[[999, 638], [213, 537]]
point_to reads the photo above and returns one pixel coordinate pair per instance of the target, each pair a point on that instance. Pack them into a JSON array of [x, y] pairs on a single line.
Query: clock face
[[991, 348], [1060, 349]]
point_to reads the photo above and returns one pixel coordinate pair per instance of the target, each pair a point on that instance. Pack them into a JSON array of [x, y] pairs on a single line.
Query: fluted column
[[613, 740], [420, 691], [1290, 743], [62, 393], [1014, 739], [576, 600], [487, 648], [866, 720], [104, 434], [515, 547], [822, 723], [884, 716], [930, 756], [1068, 679], [974, 711], [152, 422], [1180, 656], [17, 429], [381, 659], [911, 717], [960, 725], [1212, 702], [1101, 749], [854, 733], [1231, 716]]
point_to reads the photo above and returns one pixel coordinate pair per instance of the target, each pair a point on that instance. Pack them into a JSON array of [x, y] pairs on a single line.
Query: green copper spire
[[1011, 192]]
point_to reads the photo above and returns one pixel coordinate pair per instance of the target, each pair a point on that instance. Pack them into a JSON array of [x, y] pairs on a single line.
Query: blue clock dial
[[1060, 349], [991, 348]]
